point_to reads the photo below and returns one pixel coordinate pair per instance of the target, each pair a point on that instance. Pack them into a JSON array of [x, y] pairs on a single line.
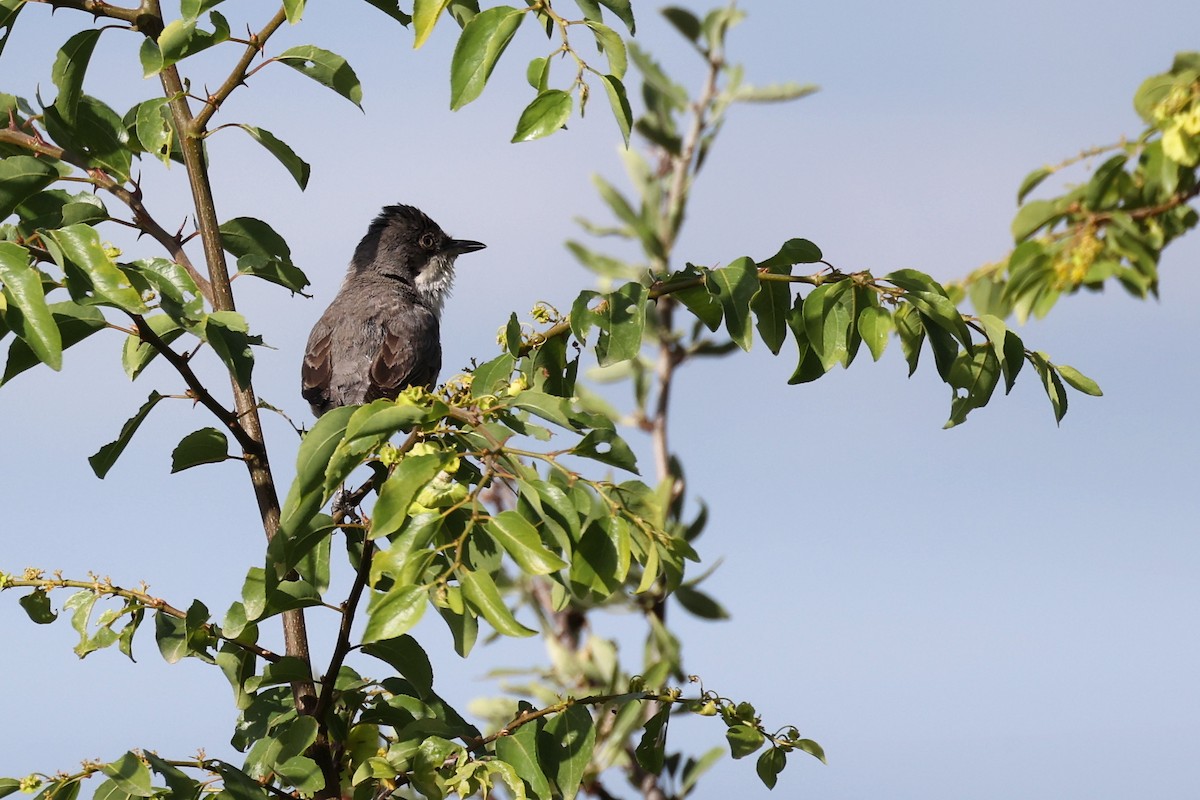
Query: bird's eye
[[428, 241]]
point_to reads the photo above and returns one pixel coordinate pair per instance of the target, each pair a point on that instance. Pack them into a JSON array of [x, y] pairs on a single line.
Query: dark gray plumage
[[381, 334]]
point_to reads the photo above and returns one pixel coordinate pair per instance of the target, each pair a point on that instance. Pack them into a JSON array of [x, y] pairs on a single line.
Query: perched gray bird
[[380, 334]]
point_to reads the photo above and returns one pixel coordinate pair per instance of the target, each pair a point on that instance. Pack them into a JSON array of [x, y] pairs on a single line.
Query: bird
[[381, 334]]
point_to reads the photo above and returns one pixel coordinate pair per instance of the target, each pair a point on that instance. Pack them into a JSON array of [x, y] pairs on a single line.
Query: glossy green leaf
[[130, 774], [809, 366], [401, 488], [22, 177], [155, 128], [769, 765], [651, 747], [205, 446], [683, 21], [606, 447], [492, 376], [137, 354], [394, 612], [975, 375], [1077, 380], [612, 45], [228, 334], [743, 740], [305, 495], [812, 748], [37, 605], [81, 246], [624, 11], [182, 787], [522, 542], [1052, 384], [520, 750], [75, 323], [425, 15], [481, 44], [793, 251], [23, 289], [70, 64], [405, 655], [773, 93], [621, 318], [565, 747], [619, 100], [97, 134], [262, 252], [875, 326], [294, 10], [297, 167], [392, 9], [771, 306], [8, 17], [326, 68], [548, 112], [481, 592], [734, 287], [1032, 181], [184, 37], [107, 455]]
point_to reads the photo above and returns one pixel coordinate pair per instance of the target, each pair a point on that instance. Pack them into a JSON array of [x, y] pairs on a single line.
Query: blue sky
[[1002, 610]]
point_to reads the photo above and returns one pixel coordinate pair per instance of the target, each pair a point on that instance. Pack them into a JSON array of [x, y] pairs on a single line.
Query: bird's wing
[[316, 373], [410, 355]]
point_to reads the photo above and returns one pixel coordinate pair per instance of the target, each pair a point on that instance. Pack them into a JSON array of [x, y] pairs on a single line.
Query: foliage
[[489, 506]]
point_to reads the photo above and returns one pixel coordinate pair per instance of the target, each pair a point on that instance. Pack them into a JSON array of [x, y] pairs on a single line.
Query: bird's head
[[404, 244]]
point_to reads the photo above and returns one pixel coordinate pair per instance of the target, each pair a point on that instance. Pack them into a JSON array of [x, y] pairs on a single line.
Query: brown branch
[[237, 76], [199, 392], [142, 219], [145, 599]]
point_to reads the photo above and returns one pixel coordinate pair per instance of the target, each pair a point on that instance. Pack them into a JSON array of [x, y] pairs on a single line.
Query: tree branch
[[238, 75]]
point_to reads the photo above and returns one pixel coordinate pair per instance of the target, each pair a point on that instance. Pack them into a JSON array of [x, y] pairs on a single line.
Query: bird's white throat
[[433, 283]]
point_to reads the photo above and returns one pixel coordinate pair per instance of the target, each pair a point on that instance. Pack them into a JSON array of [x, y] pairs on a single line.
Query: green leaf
[[875, 325], [769, 765], [69, 67], [262, 252], [619, 101], [425, 15], [793, 251], [773, 93], [651, 747], [305, 495], [182, 787], [743, 740], [771, 306], [21, 177], [405, 655], [565, 747], [107, 455], [392, 9], [23, 289], [810, 747], [75, 323], [1032, 181], [183, 37], [621, 319], [1032, 217], [1077, 380], [81, 246], [401, 488], [684, 21], [548, 112], [481, 592], [294, 10], [700, 604], [228, 333], [734, 287], [37, 606], [296, 166], [326, 68], [610, 43], [96, 133], [480, 45], [1052, 384], [624, 11], [521, 541], [8, 17], [520, 750], [130, 774], [976, 374], [205, 446], [827, 321], [606, 447], [492, 376], [394, 612], [155, 129], [136, 354]]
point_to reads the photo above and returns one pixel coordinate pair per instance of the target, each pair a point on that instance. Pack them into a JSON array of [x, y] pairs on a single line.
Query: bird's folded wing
[[410, 355], [316, 373]]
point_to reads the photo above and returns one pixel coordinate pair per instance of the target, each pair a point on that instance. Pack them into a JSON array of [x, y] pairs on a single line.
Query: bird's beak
[[456, 247]]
